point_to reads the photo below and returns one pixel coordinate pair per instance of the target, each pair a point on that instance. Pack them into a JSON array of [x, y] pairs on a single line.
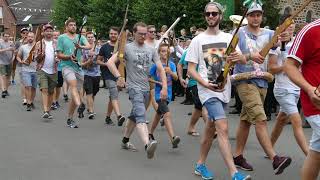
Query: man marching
[[139, 58], [72, 73]]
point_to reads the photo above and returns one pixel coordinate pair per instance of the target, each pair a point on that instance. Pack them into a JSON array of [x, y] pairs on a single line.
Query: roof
[[39, 9], [7, 2]]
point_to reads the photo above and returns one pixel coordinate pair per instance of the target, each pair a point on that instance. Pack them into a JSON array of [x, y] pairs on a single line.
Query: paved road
[[32, 149]]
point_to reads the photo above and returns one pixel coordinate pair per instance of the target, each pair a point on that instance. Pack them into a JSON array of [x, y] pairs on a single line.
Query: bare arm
[[112, 65], [180, 71], [100, 61], [291, 68], [273, 65]]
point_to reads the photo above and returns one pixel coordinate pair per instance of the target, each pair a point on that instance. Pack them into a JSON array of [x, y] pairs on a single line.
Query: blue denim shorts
[[314, 122], [139, 100], [29, 79], [287, 99], [215, 109]]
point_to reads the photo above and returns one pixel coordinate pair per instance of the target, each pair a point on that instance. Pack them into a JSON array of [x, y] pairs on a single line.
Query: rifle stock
[[38, 38], [222, 79], [264, 52], [121, 43]]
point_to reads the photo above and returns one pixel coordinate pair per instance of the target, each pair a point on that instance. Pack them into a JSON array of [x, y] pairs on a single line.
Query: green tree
[[69, 8]]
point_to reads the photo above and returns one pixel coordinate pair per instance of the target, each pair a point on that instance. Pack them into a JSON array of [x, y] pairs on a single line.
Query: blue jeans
[[215, 109], [139, 100]]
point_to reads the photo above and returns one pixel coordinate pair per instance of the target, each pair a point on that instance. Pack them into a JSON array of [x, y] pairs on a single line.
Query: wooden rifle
[[264, 52], [166, 34], [222, 78], [84, 21], [38, 38], [121, 43]]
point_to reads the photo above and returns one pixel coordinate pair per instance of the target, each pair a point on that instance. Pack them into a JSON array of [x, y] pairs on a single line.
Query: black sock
[[125, 140], [119, 116], [151, 136], [145, 147]]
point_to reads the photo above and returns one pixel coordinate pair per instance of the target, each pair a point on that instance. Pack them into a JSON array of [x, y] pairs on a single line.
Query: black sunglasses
[[213, 14]]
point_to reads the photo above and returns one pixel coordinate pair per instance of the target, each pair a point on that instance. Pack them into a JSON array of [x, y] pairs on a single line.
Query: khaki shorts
[[5, 70], [252, 98], [69, 75], [47, 81]]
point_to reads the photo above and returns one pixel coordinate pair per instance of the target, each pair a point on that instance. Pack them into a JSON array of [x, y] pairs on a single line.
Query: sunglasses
[[213, 14], [152, 31]]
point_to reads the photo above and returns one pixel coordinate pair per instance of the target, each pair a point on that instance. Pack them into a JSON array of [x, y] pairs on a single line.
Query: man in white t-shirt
[[47, 69], [207, 51]]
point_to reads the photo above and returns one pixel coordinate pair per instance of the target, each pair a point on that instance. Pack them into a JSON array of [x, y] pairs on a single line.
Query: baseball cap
[[24, 29], [255, 7], [45, 27]]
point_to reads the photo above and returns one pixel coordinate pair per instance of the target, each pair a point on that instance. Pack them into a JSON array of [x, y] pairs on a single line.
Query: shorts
[[314, 122], [47, 81], [195, 97], [162, 107], [91, 85], [288, 100], [29, 79], [252, 98], [215, 109], [139, 100], [5, 70], [69, 74], [113, 89], [60, 79]]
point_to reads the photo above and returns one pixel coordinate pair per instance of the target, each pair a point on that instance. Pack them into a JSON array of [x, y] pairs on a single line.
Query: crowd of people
[[156, 72]]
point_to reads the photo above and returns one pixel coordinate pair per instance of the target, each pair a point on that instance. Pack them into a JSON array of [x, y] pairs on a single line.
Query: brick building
[[7, 19], [309, 14]]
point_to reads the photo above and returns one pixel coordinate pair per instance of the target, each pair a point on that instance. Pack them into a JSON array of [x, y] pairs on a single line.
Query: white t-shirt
[[49, 62], [281, 79], [208, 51]]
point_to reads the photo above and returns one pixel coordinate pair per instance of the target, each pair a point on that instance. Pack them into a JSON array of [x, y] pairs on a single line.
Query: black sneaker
[[175, 141], [3, 95], [66, 98], [71, 123], [54, 106], [91, 115], [81, 109], [45, 115], [109, 121], [121, 120], [280, 163], [57, 104], [29, 108]]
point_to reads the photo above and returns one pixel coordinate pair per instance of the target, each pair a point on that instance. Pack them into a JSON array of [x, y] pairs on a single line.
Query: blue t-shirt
[[156, 76], [183, 61], [94, 70], [250, 43]]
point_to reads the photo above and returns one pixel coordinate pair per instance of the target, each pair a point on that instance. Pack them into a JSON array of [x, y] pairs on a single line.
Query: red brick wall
[[9, 20]]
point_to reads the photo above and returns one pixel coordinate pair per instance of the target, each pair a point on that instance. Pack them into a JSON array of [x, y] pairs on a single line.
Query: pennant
[[249, 3]]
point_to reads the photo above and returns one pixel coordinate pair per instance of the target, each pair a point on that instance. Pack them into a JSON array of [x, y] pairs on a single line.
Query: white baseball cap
[[255, 7]]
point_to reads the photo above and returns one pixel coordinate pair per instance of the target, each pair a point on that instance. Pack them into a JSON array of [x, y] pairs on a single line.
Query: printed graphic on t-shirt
[[214, 56], [142, 62]]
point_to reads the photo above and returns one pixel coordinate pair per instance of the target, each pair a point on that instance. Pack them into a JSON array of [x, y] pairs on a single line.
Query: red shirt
[[306, 50]]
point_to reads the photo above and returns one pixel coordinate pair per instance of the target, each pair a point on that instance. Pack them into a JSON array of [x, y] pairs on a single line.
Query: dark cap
[[47, 26]]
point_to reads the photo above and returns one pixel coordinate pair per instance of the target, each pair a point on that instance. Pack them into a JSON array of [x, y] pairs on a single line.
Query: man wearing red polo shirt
[[305, 53]]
